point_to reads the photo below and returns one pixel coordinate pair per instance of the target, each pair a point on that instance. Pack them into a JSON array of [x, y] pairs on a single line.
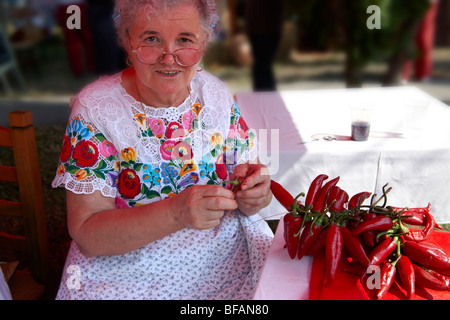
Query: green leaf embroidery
[[166, 190], [100, 137], [152, 194], [99, 174]]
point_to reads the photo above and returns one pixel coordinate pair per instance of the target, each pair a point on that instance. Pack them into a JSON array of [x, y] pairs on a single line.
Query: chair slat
[[10, 208], [8, 174], [5, 137], [27, 175], [13, 242]]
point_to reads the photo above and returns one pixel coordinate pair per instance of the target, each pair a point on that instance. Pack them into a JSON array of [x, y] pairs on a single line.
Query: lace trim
[[109, 110]]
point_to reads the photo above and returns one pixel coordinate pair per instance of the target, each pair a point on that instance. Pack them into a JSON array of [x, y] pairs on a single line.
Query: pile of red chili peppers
[[373, 238]]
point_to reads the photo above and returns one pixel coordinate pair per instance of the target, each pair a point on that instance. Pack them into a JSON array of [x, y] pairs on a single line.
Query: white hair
[[125, 13]]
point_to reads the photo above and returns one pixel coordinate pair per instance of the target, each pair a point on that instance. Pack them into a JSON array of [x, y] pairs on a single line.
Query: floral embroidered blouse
[[138, 154]]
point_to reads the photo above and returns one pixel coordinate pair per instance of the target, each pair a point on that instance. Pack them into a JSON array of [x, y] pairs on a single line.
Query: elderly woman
[[144, 160]]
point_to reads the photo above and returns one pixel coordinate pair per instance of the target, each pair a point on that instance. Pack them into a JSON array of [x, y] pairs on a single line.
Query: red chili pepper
[[320, 202], [314, 188], [426, 254], [333, 194], [369, 237], [377, 223], [340, 198], [292, 225], [317, 245], [333, 251], [382, 251], [445, 272], [406, 272], [358, 199], [387, 275], [443, 278], [309, 235], [425, 279], [371, 291], [282, 195], [354, 246], [414, 216], [422, 234]]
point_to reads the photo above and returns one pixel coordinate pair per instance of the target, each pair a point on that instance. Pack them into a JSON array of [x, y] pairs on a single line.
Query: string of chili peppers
[[392, 240]]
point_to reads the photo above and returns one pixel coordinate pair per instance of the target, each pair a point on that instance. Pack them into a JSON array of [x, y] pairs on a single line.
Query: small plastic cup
[[361, 116]]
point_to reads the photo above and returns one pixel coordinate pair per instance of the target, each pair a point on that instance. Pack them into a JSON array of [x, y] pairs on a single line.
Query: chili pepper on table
[[292, 221], [406, 273], [426, 254], [317, 245], [314, 188], [414, 216], [332, 195], [387, 275], [425, 279], [443, 278], [369, 238], [444, 272], [356, 200], [369, 289], [292, 225], [311, 232], [422, 234], [333, 251], [337, 199], [380, 223], [282, 195], [382, 251], [320, 202], [354, 246]]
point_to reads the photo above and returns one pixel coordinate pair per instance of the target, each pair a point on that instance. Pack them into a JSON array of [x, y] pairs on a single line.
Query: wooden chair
[[33, 283]]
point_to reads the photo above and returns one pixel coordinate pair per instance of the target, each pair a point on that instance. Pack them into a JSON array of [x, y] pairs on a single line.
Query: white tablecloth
[[409, 148], [283, 278]]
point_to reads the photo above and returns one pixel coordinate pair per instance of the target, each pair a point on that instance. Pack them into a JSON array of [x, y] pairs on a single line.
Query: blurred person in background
[[264, 23], [78, 41], [424, 40], [108, 55]]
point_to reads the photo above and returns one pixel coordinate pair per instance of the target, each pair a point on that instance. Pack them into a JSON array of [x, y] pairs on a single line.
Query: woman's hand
[[202, 206], [100, 229], [254, 193]]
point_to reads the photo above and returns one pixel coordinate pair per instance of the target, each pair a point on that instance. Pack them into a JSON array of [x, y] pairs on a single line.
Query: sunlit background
[[323, 44]]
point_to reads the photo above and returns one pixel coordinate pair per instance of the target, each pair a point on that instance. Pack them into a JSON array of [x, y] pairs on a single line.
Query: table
[[408, 147], [286, 279]]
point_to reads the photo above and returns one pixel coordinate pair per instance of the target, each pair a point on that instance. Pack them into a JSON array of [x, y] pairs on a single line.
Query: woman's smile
[[170, 74]]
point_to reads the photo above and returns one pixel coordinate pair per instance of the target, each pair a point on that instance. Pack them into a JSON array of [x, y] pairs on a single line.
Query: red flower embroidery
[[182, 151], [242, 128], [85, 153], [174, 130], [221, 168], [66, 149], [129, 184]]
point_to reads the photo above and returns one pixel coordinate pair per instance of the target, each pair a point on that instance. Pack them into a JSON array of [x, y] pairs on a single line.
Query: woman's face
[[172, 29]]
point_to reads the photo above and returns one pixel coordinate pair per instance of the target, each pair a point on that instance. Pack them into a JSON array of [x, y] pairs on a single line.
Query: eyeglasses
[[185, 57]]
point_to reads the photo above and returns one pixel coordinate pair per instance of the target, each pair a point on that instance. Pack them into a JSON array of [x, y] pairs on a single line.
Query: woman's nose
[[168, 58]]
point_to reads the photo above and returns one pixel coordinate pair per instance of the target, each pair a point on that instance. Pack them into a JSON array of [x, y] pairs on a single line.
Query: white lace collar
[[154, 111]]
